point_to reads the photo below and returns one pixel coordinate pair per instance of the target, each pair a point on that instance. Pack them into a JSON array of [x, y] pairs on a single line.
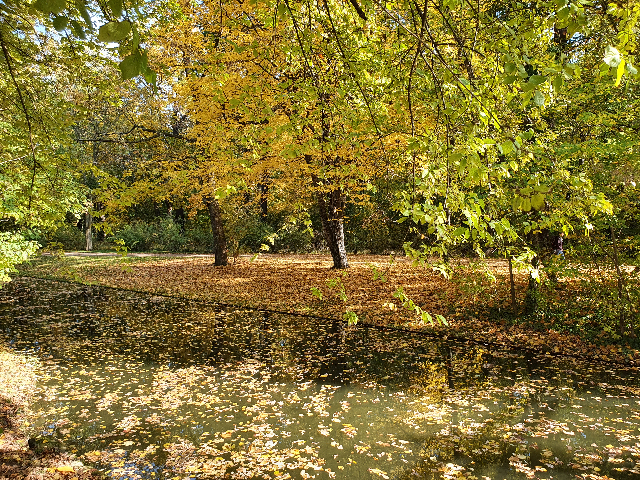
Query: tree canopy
[[488, 122]]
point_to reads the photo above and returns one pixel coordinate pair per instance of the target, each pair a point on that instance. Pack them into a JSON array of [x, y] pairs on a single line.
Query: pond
[[151, 387]]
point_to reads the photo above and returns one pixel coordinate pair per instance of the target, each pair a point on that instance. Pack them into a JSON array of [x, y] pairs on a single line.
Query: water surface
[[151, 387]]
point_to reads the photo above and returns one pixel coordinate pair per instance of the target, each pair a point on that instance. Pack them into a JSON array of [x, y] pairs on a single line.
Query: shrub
[[197, 238], [168, 236], [69, 236], [137, 237]]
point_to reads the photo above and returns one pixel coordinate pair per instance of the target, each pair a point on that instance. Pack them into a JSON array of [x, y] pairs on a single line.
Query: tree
[[274, 86], [36, 175], [488, 171], [46, 47]]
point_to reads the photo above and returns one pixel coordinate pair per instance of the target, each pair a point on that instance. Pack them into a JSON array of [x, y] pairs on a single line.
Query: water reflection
[[152, 387]]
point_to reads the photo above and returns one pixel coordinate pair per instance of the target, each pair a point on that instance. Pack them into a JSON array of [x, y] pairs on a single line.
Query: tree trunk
[[331, 206], [533, 291], [217, 231], [180, 218], [88, 234], [263, 188]]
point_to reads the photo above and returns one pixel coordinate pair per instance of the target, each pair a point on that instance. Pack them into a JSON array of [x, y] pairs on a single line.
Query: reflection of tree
[[333, 351], [512, 390]]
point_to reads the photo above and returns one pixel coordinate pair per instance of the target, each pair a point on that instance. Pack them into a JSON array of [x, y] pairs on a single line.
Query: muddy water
[[147, 387]]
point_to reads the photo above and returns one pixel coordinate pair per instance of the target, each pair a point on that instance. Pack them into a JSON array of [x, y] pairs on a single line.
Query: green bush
[[69, 236], [165, 235], [14, 249], [375, 231], [294, 239], [137, 236], [250, 232], [168, 236], [197, 239]]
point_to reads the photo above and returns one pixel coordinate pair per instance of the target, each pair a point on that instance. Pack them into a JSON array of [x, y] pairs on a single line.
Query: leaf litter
[[302, 284], [148, 387]]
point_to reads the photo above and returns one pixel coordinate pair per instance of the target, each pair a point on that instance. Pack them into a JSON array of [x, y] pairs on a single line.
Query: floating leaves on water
[[146, 388]]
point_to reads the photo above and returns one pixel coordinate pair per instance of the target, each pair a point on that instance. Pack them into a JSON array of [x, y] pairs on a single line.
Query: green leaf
[[82, 8], [516, 203], [537, 79], [631, 69], [77, 30], [426, 317], [50, 6], [507, 147], [282, 9], [455, 157], [612, 56], [116, 7], [538, 98], [131, 65], [537, 201], [558, 81], [145, 60], [60, 23], [351, 317], [563, 14], [136, 39], [526, 135], [620, 72], [526, 205], [150, 76], [460, 231], [114, 31]]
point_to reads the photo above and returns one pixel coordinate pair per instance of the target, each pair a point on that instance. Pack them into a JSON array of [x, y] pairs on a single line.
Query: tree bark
[[217, 231], [533, 290], [263, 188], [331, 205], [88, 234]]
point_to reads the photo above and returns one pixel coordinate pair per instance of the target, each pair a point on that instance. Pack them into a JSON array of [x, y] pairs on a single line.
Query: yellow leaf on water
[[379, 472]]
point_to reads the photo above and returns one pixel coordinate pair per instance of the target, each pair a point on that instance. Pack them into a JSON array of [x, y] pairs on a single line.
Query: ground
[[473, 297]]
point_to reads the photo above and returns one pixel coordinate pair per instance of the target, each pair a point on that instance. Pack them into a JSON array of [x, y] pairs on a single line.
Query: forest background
[[443, 130]]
